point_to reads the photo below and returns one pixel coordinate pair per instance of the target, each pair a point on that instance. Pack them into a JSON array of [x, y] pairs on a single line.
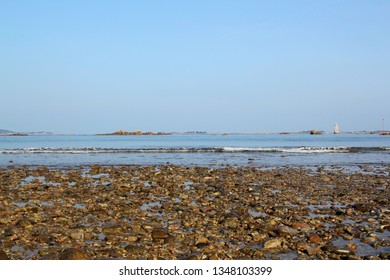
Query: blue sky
[[238, 66]]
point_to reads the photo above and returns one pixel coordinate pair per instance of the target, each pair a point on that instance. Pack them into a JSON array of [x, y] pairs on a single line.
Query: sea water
[[264, 150]]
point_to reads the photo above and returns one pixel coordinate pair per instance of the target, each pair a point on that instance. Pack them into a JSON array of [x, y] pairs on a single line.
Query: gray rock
[[3, 255]]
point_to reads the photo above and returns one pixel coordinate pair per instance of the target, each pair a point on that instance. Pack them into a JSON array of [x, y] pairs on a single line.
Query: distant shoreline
[[140, 133]]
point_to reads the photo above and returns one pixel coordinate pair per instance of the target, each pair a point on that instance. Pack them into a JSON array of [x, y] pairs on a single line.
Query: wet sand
[[173, 212]]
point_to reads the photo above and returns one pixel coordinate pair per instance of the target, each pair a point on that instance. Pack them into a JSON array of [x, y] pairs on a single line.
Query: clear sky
[[79, 66]]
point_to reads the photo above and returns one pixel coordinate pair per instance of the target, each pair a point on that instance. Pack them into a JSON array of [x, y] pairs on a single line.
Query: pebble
[[77, 235], [369, 240], [285, 230], [132, 238], [273, 243], [112, 230], [300, 225], [3, 255], [385, 255], [159, 233], [315, 238], [177, 212], [343, 251], [73, 254], [313, 250], [352, 246]]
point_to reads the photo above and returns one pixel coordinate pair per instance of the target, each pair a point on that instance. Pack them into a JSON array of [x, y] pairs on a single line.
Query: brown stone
[[352, 246], [73, 254], [77, 234], [301, 246], [3, 255], [347, 237], [362, 207], [231, 224], [202, 242], [160, 233], [24, 223], [257, 236], [132, 238], [133, 250], [112, 230], [285, 230], [44, 238], [315, 238], [273, 243], [313, 250], [300, 225], [369, 240], [170, 239], [343, 251]]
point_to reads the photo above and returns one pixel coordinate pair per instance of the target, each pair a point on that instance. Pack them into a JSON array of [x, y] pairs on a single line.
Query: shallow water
[[210, 150]]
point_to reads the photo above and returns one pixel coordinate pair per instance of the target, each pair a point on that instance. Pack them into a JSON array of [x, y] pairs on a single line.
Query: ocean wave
[[93, 150], [290, 150]]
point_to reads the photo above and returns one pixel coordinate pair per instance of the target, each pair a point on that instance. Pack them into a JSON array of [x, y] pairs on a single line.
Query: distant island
[[135, 133], [4, 132]]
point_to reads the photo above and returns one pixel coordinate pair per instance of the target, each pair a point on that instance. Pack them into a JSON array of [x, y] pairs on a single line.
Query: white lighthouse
[[336, 128]]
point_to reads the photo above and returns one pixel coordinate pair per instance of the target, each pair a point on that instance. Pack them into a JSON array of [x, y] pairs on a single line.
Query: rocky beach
[[194, 212]]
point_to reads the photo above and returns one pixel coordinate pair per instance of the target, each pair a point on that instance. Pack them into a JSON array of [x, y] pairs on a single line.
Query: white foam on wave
[[96, 150], [289, 149], [241, 149], [317, 150]]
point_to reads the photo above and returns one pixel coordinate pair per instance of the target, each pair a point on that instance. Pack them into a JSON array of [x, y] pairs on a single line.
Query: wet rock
[[343, 251], [273, 243], [352, 246], [132, 238], [77, 234], [337, 251], [9, 232], [301, 246], [159, 233], [313, 250], [347, 237], [386, 227], [363, 207], [369, 240], [258, 236], [231, 224], [44, 238], [385, 255], [73, 254], [49, 257], [300, 225], [202, 242], [3, 255], [169, 240], [315, 238], [112, 230], [194, 256], [135, 252], [285, 230], [25, 223]]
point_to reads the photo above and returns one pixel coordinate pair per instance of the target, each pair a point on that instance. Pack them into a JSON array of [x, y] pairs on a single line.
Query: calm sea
[[211, 150]]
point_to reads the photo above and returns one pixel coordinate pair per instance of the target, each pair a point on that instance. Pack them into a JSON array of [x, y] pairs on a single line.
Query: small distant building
[[336, 129]]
